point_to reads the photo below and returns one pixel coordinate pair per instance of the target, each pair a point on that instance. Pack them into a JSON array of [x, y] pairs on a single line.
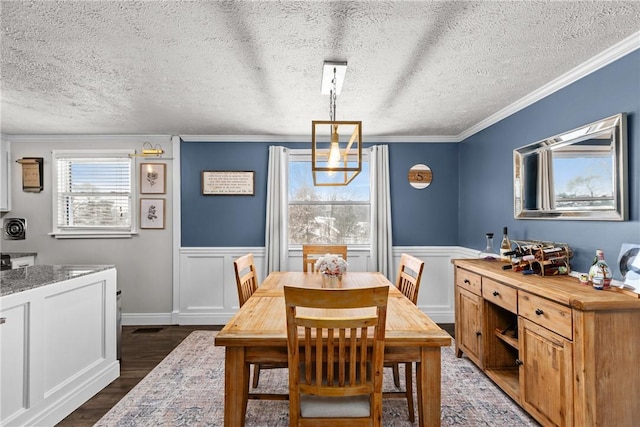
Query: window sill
[[93, 235]]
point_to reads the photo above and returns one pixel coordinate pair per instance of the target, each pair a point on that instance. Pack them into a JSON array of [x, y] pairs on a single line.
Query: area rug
[[187, 389]]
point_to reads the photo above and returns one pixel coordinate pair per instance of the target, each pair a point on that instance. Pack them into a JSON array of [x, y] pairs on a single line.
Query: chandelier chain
[[332, 98]]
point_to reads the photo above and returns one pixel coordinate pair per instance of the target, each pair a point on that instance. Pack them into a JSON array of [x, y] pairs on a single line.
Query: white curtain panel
[[546, 198], [381, 241], [276, 239]]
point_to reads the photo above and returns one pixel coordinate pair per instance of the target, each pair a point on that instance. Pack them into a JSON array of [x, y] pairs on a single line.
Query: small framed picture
[[152, 213], [153, 178]]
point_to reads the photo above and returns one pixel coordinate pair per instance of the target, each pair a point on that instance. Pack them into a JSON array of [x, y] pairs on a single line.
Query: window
[[93, 194], [327, 215]]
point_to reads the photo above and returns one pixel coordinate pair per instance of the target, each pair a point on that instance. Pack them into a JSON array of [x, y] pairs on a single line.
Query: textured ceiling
[[254, 67]]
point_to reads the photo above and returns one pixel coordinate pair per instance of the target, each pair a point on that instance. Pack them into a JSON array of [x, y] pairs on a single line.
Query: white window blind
[[93, 192]]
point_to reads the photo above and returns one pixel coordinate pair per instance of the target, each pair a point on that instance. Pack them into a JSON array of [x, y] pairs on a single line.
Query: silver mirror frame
[[616, 126]]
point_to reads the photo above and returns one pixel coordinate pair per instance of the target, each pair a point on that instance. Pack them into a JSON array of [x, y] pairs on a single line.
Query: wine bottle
[[505, 246], [600, 273]]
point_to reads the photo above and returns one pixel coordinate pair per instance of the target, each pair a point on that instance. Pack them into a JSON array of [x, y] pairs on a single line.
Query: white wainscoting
[[205, 293]]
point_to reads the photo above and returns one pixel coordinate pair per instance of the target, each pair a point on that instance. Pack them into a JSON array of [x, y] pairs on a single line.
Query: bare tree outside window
[[583, 181], [328, 215]]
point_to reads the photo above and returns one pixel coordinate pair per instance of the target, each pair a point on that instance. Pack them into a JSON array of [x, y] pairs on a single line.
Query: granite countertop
[[35, 276]]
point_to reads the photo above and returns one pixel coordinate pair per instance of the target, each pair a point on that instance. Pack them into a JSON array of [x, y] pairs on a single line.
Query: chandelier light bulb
[[334, 155]]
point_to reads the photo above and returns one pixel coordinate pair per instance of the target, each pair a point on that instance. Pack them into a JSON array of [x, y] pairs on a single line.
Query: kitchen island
[[57, 340]]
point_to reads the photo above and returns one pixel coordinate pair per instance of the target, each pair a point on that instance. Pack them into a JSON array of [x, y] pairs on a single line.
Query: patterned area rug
[[187, 389]]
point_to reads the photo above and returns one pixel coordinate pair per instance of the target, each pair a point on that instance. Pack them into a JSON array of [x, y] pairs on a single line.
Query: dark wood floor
[[143, 347]]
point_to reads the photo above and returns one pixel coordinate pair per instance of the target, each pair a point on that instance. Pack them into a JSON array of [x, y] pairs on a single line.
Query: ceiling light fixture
[[331, 163]]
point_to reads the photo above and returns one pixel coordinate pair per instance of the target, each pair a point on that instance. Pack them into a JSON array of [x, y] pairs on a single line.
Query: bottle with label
[[505, 246], [600, 273]]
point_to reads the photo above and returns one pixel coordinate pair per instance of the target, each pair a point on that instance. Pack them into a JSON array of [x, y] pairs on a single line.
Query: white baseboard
[[146, 319], [57, 411]]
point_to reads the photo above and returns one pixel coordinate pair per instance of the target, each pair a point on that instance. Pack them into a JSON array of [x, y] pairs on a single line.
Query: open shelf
[[507, 379], [507, 338]]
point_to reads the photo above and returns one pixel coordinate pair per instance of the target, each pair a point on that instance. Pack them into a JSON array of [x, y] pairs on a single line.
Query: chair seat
[[335, 407]]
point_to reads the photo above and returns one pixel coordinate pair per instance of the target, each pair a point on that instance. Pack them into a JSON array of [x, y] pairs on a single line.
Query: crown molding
[[604, 58], [88, 138], [307, 138]]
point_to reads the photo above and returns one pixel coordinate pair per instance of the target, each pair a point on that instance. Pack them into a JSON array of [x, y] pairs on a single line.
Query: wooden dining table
[[257, 334]]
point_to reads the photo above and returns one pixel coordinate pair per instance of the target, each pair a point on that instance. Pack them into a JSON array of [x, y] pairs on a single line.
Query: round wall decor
[[420, 176]]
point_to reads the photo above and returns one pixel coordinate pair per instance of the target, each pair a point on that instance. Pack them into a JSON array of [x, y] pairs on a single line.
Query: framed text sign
[[238, 183]]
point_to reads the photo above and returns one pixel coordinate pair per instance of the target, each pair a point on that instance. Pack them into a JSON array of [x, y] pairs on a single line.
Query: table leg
[[236, 386], [428, 372]]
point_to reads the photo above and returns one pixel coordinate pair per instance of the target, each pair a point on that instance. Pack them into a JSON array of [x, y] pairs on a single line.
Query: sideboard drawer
[[469, 281], [551, 315], [500, 294]]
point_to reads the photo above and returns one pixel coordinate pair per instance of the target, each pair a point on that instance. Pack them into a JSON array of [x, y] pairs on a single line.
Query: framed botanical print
[[152, 213], [153, 178]]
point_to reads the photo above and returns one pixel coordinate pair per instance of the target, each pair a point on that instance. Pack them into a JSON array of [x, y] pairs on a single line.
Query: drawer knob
[[478, 333], [519, 362], [539, 312], [467, 281], [496, 293], [2, 320]]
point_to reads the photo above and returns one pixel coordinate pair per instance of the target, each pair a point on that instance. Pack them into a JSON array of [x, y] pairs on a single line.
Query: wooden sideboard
[[567, 353]]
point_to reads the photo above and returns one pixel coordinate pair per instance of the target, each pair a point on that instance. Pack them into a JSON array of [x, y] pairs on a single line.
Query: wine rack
[[543, 258]]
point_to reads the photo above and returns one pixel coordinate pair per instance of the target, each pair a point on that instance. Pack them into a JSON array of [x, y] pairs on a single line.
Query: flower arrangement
[[332, 265]]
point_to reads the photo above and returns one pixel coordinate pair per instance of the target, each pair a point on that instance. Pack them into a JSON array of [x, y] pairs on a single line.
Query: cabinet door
[[468, 326], [13, 362], [546, 389]]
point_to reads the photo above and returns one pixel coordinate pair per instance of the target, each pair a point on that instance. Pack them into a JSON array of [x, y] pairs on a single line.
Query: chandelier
[[336, 145]]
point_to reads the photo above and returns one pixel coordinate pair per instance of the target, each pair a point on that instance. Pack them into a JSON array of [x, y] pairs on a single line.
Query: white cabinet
[[14, 354], [5, 175], [57, 348]]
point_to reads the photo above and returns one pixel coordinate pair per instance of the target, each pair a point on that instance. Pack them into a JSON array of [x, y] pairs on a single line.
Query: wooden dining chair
[[339, 355], [311, 253], [408, 282], [247, 283]]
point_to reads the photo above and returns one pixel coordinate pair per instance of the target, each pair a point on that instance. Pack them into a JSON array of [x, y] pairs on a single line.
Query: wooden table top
[[261, 320]]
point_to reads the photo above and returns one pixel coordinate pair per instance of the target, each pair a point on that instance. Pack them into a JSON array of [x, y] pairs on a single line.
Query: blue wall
[[209, 221], [472, 190], [426, 217], [486, 189], [420, 217]]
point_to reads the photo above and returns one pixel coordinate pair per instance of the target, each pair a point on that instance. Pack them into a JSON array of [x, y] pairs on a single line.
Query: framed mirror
[[577, 175]]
